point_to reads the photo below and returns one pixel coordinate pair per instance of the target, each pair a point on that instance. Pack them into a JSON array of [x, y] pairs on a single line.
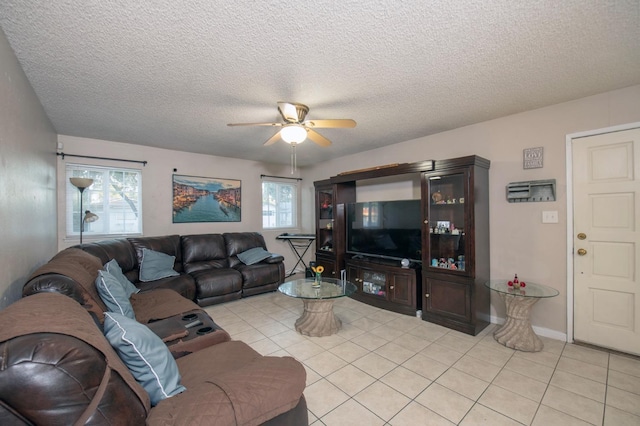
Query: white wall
[[520, 243], [157, 187], [27, 179]]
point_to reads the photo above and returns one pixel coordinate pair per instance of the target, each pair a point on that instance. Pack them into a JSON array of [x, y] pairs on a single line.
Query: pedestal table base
[[516, 332], [318, 318]]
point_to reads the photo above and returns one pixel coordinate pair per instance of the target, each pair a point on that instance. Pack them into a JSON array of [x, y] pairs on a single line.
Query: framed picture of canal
[[202, 199]]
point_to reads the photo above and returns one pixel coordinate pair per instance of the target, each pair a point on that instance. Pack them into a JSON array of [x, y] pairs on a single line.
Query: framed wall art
[[203, 199], [532, 158]]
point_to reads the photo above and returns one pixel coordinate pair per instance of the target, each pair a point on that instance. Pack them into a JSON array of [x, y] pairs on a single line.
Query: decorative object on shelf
[[436, 197], [404, 263], [82, 184]]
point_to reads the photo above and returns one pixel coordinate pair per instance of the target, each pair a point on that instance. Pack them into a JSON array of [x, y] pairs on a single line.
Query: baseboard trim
[[540, 331]]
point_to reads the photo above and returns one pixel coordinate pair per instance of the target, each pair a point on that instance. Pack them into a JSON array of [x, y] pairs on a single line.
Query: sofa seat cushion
[[230, 383], [159, 304], [259, 274], [183, 284], [216, 282]]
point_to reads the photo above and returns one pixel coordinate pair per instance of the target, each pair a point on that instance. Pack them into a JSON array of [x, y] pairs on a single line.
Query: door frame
[[569, 180]]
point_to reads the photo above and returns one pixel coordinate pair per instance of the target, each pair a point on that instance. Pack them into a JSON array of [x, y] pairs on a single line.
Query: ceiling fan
[[295, 129]]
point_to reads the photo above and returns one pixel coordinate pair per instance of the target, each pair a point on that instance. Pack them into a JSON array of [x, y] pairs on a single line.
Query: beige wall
[[520, 243], [27, 179], [157, 187]]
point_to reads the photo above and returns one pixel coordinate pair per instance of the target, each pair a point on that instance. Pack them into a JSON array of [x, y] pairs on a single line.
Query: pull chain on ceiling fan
[[295, 129]]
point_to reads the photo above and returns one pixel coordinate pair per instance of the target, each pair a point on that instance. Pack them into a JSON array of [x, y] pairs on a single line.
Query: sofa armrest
[[275, 258], [54, 283]]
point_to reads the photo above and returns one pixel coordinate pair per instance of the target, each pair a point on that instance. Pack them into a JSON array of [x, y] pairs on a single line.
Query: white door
[[606, 240]]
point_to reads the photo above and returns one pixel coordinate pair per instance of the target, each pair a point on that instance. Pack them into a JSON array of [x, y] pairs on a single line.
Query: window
[[279, 204], [115, 196]]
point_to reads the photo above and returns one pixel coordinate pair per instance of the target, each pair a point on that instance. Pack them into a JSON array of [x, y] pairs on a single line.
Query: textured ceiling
[[172, 74]]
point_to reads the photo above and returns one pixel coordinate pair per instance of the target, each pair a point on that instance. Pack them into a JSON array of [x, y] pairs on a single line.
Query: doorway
[[603, 201]]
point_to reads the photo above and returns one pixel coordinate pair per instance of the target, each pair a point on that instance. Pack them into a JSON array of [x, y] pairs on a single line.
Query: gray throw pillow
[[113, 294], [253, 255], [146, 356], [114, 269], [156, 265]]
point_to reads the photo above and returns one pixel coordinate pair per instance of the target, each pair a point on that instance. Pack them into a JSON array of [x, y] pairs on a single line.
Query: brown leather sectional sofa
[[210, 271], [58, 367]]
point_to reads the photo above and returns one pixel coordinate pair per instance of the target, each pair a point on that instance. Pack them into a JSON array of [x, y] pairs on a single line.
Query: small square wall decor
[[532, 158], [202, 199]]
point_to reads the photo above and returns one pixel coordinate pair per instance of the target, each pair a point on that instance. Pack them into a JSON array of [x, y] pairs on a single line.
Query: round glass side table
[[516, 332]]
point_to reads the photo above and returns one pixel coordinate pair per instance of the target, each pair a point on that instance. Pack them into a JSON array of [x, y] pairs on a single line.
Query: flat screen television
[[385, 229]]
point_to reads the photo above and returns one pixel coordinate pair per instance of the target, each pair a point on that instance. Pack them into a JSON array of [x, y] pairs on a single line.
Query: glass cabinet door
[[374, 283], [324, 242], [447, 222]]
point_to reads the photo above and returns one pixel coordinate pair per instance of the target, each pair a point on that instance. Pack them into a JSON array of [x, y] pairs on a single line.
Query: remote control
[[193, 324]]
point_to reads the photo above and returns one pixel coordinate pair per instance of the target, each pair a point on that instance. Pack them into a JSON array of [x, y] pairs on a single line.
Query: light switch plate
[[550, 216]]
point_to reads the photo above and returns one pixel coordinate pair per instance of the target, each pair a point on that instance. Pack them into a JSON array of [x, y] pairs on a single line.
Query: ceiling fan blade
[[318, 138], [273, 139], [292, 112], [255, 124], [335, 123]]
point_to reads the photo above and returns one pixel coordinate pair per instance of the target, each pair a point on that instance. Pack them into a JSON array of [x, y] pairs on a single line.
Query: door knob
[[582, 252], [582, 236]]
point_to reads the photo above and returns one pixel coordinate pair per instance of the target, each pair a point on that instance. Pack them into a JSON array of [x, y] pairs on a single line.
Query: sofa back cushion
[[81, 270], [204, 251], [239, 242], [168, 244], [118, 249]]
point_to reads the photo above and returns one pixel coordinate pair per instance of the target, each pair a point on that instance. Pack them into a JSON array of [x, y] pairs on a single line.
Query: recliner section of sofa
[[58, 368]]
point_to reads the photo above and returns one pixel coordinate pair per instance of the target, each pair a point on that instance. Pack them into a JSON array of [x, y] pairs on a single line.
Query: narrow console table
[[299, 244], [516, 332]]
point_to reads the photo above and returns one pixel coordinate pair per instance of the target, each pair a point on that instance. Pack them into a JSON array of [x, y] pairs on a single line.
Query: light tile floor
[[384, 368]]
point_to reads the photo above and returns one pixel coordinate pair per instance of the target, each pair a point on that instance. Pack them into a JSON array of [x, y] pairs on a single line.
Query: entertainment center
[[430, 254]]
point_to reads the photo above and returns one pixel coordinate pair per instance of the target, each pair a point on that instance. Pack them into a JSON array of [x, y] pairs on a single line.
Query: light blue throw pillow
[[114, 269], [146, 356], [156, 265], [113, 294], [253, 255]]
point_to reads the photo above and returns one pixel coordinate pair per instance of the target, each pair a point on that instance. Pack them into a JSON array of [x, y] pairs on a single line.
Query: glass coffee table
[[318, 318], [516, 332]]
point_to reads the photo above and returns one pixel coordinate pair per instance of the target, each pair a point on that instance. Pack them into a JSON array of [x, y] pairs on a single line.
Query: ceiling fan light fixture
[[293, 133]]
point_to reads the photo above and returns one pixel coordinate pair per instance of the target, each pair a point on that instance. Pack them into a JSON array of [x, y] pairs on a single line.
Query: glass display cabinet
[[330, 224], [455, 244]]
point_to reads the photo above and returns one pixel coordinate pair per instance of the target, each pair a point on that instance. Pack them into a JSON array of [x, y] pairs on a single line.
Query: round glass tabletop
[[529, 290], [330, 288]]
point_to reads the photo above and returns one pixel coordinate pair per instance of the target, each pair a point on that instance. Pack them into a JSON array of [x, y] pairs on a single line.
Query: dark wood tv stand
[[449, 287], [385, 284]]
